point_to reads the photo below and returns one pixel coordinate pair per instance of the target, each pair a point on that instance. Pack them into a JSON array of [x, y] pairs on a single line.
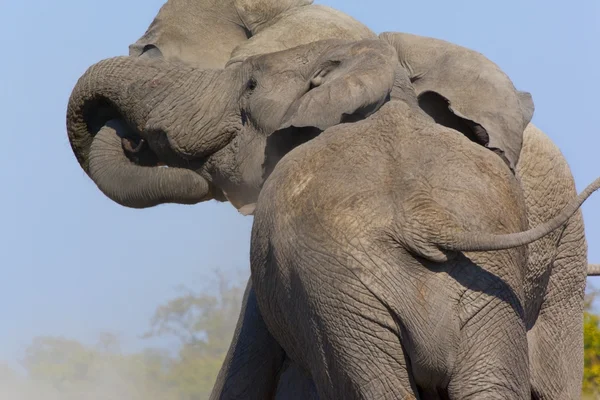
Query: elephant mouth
[[138, 151], [245, 205]]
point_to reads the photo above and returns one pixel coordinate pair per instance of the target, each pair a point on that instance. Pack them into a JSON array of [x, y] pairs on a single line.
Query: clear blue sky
[[74, 263]]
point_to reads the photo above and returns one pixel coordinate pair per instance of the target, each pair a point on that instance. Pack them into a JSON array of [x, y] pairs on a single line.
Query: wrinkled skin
[[338, 252], [560, 262], [457, 78], [202, 34], [325, 252], [211, 33], [339, 81], [554, 280]]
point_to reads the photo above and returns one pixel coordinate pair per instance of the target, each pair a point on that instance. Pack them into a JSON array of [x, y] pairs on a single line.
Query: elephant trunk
[[479, 241], [158, 101], [593, 270], [136, 186]]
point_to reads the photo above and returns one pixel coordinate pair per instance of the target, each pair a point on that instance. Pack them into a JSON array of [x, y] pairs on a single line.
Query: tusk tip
[[248, 209]]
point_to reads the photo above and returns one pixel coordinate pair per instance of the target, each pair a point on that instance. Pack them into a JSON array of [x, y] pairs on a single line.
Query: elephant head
[[207, 33], [203, 33], [192, 135]]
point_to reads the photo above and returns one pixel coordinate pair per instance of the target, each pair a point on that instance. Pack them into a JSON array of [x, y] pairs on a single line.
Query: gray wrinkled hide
[[471, 87], [206, 34], [300, 26], [210, 33]]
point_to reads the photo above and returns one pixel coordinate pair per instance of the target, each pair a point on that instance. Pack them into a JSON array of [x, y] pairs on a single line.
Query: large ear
[[348, 81], [440, 109], [527, 106], [462, 89]]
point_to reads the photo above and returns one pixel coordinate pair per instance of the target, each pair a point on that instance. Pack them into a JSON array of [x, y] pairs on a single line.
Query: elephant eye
[[251, 84]]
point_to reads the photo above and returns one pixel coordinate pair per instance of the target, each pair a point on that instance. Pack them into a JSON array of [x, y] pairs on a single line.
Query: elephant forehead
[[293, 59], [258, 14], [301, 26], [202, 33]]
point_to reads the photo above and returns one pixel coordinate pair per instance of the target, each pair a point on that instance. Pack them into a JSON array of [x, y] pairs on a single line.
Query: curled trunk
[[136, 186], [157, 102]]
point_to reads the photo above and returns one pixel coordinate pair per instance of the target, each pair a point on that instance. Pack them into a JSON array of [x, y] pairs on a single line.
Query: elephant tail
[[593, 270], [480, 241], [440, 246]]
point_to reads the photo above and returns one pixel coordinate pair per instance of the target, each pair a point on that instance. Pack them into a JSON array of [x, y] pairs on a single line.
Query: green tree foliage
[[63, 369], [202, 324], [591, 330]]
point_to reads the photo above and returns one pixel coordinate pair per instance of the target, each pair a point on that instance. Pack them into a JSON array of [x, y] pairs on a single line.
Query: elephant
[[431, 61], [336, 259], [555, 277], [187, 33], [251, 111], [213, 33], [207, 34]]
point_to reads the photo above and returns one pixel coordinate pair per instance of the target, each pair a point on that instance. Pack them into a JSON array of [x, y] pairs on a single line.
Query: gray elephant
[[339, 252], [128, 83], [555, 275], [212, 33], [313, 227], [556, 260]]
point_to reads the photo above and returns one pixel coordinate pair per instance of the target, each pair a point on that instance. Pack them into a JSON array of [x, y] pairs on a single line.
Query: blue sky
[[74, 263]]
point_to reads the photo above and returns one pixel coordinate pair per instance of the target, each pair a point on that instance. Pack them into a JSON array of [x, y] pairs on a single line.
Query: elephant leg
[[556, 337], [556, 273], [491, 360], [254, 360], [338, 331], [295, 383], [359, 356]]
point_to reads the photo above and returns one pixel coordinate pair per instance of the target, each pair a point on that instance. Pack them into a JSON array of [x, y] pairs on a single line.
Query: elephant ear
[[348, 82], [464, 90], [505, 143], [527, 106], [440, 109]]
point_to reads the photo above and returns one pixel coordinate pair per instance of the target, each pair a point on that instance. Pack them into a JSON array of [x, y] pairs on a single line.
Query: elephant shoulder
[[543, 167], [545, 176]]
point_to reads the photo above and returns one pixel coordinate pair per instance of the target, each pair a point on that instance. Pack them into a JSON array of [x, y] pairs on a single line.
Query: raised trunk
[[160, 102]]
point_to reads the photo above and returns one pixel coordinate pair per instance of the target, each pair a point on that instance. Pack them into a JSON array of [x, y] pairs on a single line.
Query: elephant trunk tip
[[98, 97], [84, 121], [104, 120]]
